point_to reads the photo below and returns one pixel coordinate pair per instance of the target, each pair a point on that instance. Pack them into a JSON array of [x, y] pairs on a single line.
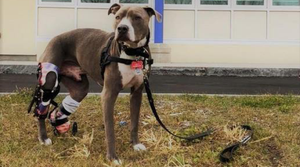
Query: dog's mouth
[[123, 38]]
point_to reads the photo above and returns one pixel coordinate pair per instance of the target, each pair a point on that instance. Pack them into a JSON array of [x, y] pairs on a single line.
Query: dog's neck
[[117, 48]]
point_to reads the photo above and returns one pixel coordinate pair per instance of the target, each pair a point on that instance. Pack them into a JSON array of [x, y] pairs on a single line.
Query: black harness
[[143, 52]]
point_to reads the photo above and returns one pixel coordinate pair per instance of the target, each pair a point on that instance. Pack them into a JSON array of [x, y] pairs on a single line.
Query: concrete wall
[[249, 38], [178, 24], [237, 55], [285, 25], [213, 25], [17, 27]]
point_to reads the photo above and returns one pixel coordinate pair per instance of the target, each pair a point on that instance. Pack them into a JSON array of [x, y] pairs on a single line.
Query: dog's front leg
[[135, 106], [109, 97]]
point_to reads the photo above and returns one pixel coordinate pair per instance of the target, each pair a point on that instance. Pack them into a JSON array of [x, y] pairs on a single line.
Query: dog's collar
[[140, 51]]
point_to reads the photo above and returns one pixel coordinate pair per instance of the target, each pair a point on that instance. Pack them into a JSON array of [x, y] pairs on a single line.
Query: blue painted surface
[[158, 27]]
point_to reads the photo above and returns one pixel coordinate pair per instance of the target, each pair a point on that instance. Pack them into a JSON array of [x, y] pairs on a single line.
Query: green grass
[[275, 120]]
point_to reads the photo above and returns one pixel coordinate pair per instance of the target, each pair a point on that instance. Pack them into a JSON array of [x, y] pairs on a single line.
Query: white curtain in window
[[214, 2], [95, 1], [286, 2], [56, 0], [178, 1], [250, 2], [133, 1]]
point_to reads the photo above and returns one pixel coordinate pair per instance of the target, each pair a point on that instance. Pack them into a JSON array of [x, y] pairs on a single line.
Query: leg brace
[[44, 96]]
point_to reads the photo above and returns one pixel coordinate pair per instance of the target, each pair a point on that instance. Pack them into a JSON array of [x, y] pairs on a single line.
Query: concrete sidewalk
[[188, 69], [185, 84]]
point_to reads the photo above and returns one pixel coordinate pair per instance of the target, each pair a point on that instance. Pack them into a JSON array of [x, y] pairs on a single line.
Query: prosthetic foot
[[59, 118], [60, 123]]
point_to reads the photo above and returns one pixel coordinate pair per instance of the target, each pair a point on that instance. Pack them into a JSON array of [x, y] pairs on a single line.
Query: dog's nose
[[123, 29]]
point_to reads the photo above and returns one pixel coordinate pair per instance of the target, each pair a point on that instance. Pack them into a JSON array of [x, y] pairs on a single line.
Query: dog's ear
[[152, 12], [114, 8]]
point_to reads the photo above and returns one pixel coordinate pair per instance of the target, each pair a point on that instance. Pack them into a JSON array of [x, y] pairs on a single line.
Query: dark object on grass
[[74, 129], [123, 123], [227, 154]]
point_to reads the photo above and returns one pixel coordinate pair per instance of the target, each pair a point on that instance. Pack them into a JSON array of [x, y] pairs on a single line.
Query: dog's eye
[[137, 18], [117, 17]]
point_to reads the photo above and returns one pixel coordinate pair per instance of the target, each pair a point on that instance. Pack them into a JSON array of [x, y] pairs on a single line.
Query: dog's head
[[132, 23]]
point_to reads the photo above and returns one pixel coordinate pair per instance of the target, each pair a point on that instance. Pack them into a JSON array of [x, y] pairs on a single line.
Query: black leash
[[227, 154], [153, 109]]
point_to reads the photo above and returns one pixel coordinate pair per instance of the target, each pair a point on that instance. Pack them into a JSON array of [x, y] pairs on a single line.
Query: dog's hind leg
[[135, 106], [78, 90], [48, 80], [43, 138]]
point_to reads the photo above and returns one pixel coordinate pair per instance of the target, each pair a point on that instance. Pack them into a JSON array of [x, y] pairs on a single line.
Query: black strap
[[104, 57], [227, 154], [58, 122], [151, 102], [35, 98], [120, 60], [150, 61], [64, 111], [126, 61], [141, 51]]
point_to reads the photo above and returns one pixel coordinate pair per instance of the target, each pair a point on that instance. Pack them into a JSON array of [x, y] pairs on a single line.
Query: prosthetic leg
[[46, 90]]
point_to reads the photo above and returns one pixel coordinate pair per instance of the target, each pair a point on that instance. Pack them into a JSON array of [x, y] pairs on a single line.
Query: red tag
[[137, 65]]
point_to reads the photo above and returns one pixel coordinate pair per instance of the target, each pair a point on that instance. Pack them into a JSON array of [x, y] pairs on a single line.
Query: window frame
[[195, 6]]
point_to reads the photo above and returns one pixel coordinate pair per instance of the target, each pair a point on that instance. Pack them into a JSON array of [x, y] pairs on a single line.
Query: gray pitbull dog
[[76, 54]]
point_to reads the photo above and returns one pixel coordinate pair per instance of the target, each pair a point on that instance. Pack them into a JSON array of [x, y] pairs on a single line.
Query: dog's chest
[[130, 77]]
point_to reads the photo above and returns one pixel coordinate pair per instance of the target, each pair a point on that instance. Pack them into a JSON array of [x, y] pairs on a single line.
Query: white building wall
[[229, 35]]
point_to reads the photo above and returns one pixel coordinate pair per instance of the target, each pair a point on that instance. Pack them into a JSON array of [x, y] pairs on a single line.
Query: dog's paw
[[46, 142], [117, 162], [139, 147]]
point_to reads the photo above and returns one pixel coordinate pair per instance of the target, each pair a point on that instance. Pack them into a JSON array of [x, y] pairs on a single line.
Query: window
[[133, 1], [250, 2], [95, 1], [286, 2], [56, 0], [178, 1], [214, 2]]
